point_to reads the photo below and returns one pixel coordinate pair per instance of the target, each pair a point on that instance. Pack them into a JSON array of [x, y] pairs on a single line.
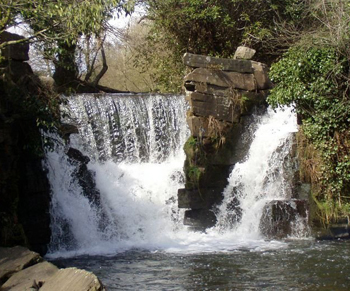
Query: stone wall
[[223, 94]]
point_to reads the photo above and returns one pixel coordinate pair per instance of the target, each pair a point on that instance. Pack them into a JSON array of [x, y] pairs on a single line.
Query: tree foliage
[[60, 20], [58, 24], [214, 27], [313, 76], [217, 27]]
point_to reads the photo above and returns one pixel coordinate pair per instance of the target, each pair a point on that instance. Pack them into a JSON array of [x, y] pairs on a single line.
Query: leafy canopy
[[60, 20], [314, 80]]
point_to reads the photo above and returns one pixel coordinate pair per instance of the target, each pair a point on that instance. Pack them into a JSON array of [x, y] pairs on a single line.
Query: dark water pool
[[297, 265]]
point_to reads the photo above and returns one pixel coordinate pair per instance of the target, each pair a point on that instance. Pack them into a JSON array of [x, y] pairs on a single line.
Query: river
[[132, 236]]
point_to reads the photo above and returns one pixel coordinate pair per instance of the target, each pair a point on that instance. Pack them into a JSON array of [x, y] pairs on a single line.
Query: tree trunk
[[66, 69]]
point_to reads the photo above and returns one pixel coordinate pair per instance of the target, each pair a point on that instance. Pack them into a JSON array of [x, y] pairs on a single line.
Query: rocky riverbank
[[22, 269]]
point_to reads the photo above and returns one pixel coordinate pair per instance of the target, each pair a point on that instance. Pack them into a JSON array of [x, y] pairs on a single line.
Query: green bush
[[314, 81]]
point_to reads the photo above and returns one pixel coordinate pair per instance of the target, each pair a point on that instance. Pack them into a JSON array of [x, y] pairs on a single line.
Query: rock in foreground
[[21, 269]]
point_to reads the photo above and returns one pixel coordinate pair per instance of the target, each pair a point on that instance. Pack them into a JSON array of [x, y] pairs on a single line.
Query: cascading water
[[261, 178], [135, 147], [135, 144]]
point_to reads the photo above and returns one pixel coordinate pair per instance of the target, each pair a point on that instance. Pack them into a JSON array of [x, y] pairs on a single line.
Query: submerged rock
[[338, 229]]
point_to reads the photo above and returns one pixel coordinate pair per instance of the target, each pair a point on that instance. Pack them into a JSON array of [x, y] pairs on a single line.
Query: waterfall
[[134, 143], [261, 177]]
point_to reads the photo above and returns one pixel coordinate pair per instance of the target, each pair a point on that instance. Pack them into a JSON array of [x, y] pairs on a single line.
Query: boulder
[[84, 176], [72, 279], [30, 277], [244, 53], [77, 156], [279, 215], [47, 82], [200, 61], [16, 259], [18, 52], [67, 129], [340, 231]]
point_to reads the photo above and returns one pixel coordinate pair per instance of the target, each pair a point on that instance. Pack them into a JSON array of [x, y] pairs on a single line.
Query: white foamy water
[[135, 147], [261, 177]]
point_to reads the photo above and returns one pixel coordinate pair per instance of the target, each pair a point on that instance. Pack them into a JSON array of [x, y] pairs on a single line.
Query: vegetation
[[314, 77], [211, 27], [58, 25], [127, 64]]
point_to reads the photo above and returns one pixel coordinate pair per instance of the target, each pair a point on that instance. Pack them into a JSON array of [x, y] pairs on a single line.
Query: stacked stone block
[[223, 94]]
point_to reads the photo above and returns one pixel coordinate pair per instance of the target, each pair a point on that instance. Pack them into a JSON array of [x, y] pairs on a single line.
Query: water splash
[[261, 177], [135, 146]]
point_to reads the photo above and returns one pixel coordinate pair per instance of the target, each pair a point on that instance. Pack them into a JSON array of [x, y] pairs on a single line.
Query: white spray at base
[[138, 195]]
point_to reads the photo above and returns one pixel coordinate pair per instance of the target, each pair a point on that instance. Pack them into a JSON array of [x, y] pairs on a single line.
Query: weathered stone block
[[219, 78], [212, 89], [261, 76], [214, 77], [241, 81], [252, 100], [18, 52], [200, 61], [220, 107], [244, 53], [198, 126]]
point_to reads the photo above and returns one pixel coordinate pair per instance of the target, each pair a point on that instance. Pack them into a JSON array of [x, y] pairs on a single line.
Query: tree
[[313, 76], [217, 27], [58, 24]]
